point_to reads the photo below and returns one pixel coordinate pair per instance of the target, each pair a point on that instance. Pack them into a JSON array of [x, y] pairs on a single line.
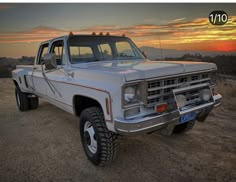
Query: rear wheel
[[33, 102], [22, 100], [100, 145], [185, 127]]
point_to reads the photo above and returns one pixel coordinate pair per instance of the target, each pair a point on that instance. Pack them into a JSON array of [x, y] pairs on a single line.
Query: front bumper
[[154, 122]]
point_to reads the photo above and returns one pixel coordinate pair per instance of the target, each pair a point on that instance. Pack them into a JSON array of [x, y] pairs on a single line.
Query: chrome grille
[[160, 90]]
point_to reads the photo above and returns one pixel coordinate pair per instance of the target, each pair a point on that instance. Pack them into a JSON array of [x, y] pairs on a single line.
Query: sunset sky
[[176, 26]]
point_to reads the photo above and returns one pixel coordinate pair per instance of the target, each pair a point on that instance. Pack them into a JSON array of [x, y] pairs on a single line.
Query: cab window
[[80, 53], [42, 51], [124, 49], [59, 51], [106, 51]]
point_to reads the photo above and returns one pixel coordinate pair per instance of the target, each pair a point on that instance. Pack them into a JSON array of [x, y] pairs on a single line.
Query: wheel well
[[81, 102], [15, 83]]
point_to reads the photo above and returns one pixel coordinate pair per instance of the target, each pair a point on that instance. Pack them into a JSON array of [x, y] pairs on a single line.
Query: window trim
[[41, 47], [67, 42], [63, 48]]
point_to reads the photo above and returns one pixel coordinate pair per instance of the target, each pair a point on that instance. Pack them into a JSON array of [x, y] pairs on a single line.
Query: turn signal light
[[161, 108]]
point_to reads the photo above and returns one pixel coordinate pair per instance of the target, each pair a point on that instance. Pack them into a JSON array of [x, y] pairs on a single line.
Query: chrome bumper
[[217, 99], [146, 124], [155, 122]]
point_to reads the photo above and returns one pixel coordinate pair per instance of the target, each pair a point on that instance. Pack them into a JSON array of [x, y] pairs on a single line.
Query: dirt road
[[44, 145]]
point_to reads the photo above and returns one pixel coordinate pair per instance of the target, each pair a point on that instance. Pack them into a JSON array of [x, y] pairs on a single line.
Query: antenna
[[162, 59], [159, 37]]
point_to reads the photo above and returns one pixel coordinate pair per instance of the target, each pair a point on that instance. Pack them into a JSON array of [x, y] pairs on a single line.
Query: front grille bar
[[193, 105], [161, 90]]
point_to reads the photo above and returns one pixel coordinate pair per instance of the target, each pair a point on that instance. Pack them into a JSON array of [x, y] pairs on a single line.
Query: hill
[[157, 53], [9, 64], [226, 63]]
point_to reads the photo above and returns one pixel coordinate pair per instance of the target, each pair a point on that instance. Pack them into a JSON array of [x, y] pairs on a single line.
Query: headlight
[[132, 94], [205, 95], [181, 100], [129, 94]]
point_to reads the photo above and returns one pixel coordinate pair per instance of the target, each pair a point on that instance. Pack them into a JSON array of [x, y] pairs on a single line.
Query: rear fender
[[22, 80]]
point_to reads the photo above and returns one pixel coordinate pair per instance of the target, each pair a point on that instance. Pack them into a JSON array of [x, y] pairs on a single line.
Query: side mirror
[[50, 61], [144, 54]]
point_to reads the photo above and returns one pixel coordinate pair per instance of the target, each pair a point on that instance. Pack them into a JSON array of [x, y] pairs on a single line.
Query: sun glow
[[182, 33]]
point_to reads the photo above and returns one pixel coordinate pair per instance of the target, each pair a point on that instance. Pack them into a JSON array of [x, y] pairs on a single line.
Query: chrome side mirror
[[50, 61]]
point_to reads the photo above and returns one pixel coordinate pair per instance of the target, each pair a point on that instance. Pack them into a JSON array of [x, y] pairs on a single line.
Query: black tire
[[22, 100], [107, 144], [33, 102], [185, 127]]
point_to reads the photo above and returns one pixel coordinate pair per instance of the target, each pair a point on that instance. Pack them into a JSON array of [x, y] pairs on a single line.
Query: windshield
[[99, 48]]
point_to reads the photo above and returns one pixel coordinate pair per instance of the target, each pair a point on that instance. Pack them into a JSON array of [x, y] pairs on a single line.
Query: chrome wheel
[[90, 137], [100, 145]]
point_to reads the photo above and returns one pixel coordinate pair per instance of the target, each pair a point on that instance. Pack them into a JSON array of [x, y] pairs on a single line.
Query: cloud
[[149, 19], [37, 34], [196, 23], [176, 32], [177, 20], [99, 28]]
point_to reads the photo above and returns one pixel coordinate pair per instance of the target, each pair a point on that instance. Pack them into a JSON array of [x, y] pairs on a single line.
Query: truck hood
[[135, 70]]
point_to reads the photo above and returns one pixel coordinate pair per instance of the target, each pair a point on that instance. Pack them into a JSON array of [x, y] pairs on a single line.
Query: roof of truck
[[82, 35]]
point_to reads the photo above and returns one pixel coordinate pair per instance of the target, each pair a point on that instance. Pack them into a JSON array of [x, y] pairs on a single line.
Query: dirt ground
[[44, 145]]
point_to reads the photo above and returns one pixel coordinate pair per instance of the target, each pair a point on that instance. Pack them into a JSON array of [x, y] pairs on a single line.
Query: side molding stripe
[[100, 90]]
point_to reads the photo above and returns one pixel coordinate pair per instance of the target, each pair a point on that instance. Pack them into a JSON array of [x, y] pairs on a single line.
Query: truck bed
[[26, 67]]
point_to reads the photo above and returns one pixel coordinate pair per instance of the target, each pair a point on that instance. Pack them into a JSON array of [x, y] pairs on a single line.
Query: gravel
[[44, 145]]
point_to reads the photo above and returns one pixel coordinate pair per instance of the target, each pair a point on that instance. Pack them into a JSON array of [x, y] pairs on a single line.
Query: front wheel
[[100, 145], [185, 127]]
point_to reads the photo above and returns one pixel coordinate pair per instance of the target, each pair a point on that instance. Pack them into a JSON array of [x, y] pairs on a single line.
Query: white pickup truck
[[114, 90]]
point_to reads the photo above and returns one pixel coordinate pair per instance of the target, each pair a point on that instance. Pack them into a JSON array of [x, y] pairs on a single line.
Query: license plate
[[187, 117]]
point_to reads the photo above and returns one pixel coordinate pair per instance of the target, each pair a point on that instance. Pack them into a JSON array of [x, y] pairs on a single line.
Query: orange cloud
[[177, 20], [37, 34], [179, 34]]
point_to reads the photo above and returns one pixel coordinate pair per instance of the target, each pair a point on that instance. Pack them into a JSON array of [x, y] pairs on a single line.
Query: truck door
[[39, 82], [58, 76]]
